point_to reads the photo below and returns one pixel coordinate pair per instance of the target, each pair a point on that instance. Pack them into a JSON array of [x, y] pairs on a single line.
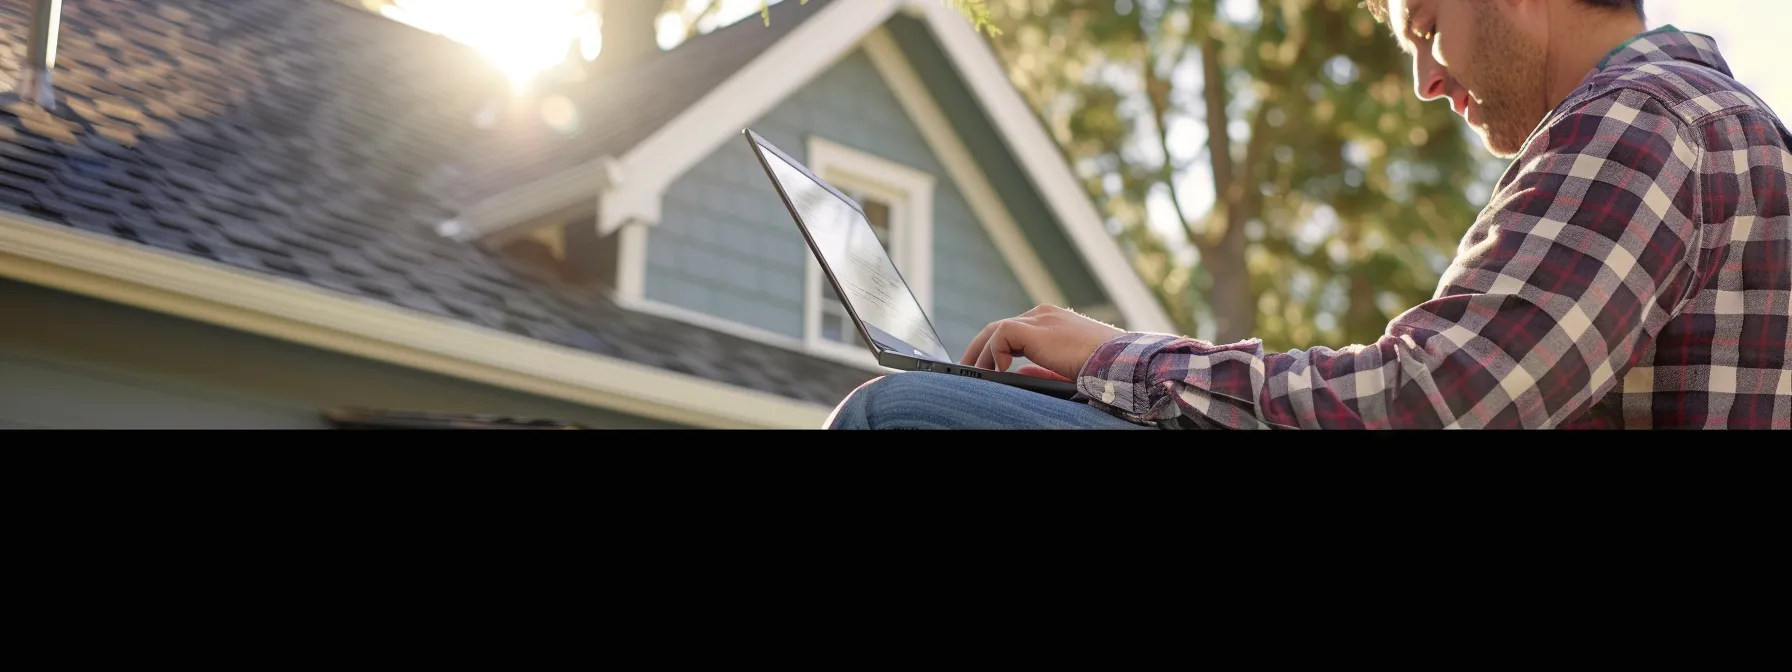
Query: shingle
[[20, 170], [252, 239], [102, 204], [16, 191], [296, 138]]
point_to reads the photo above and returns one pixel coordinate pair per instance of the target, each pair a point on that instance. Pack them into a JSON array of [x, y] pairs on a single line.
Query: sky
[[1751, 34]]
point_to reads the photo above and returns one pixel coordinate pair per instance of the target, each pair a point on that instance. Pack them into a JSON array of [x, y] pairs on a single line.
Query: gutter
[[55, 256]]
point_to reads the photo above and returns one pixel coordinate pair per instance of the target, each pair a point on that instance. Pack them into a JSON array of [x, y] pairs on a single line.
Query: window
[[836, 324], [898, 203]]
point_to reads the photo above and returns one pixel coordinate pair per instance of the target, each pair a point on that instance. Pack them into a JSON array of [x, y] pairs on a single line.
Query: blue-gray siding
[[1010, 181], [727, 247]]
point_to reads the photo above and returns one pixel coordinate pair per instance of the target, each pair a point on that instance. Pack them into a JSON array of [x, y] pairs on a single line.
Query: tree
[[1269, 165], [976, 11]]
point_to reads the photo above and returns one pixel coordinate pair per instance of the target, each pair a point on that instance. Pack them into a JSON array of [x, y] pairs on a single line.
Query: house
[[246, 213]]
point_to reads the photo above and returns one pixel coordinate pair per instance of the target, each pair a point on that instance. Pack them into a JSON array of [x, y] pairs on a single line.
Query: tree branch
[[1250, 201], [1157, 92], [1275, 80], [1219, 140], [690, 27]]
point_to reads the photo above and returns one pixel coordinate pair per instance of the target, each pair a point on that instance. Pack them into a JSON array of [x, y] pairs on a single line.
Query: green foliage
[[975, 11], [1314, 196]]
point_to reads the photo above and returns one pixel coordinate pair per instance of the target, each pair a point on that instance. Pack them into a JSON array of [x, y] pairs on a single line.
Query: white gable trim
[[55, 256], [631, 262], [496, 218], [632, 187], [937, 131], [917, 269], [650, 167], [1039, 154]]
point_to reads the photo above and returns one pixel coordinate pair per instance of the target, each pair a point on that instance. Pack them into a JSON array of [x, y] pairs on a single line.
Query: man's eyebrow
[[1401, 23]]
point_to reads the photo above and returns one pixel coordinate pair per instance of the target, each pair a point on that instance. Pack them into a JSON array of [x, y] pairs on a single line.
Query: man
[[1633, 270]]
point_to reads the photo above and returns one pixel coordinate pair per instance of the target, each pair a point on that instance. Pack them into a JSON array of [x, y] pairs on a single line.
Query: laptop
[[889, 318]]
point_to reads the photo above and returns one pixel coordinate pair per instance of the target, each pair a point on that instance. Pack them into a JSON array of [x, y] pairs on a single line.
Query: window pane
[[834, 308], [878, 213], [836, 324]]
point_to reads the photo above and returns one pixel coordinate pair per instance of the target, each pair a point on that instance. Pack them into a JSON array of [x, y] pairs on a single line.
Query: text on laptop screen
[[868, 279]]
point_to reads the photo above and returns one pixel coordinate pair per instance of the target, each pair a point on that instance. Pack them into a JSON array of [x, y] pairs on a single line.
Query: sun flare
[[519, 37]]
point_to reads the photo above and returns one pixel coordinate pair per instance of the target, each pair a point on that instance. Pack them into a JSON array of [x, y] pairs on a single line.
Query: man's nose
[[1430, 80]]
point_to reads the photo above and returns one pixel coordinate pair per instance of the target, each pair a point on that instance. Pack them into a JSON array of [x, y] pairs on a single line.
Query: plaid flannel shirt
[[1633, 270]]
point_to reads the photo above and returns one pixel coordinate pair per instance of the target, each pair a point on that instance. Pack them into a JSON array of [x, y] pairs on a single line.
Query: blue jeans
[[925, 400]]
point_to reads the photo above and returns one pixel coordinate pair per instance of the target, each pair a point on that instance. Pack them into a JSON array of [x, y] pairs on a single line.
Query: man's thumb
[[1038, 371]]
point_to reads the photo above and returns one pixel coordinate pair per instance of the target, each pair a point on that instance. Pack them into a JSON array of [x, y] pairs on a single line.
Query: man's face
[[1474, 54]]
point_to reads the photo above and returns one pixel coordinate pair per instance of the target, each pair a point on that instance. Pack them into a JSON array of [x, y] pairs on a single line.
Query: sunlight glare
[[520, 37]]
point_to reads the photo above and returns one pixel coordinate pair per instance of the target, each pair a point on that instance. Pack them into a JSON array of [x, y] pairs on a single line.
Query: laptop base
[[1046, 386]]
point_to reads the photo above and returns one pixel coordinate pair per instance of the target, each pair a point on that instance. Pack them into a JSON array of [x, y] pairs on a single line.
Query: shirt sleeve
[[1563, 282]]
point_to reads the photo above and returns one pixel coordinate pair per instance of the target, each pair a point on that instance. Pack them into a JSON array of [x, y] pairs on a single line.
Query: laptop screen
[[868, 279]]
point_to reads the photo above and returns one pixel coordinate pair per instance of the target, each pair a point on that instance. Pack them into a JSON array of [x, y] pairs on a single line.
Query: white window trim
[[909, 193]]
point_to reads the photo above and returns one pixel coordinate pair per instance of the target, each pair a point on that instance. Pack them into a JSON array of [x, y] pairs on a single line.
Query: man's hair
[[1380, 7]]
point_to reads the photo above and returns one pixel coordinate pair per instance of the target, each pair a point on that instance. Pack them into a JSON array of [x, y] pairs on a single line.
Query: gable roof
[[632, 173], [613, 109], [303, 140]]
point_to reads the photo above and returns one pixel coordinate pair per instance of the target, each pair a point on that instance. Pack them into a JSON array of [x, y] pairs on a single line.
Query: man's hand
[[1056, 339]]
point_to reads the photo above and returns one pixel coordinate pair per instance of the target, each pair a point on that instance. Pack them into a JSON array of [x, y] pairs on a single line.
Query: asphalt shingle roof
[[312, 141]]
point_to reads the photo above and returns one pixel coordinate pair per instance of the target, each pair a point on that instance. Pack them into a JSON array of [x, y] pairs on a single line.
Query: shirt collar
[[1667, 43]]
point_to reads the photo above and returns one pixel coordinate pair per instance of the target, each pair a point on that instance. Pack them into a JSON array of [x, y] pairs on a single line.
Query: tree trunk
[[1361, 314], [1232, 299]]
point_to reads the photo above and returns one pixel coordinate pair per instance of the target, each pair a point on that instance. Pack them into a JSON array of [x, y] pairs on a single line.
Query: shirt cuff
[[1119, 374]]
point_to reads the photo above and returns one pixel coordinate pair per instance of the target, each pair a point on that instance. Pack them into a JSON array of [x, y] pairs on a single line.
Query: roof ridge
[[382, 19]]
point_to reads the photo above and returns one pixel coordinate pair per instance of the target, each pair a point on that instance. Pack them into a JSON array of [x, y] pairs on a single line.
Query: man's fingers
[[1010, 337], [986, 357], [976, 350], [1002, 343], [1038, 371]]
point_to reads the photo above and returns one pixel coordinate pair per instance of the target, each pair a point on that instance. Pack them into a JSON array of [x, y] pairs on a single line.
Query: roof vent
[[40, 54]]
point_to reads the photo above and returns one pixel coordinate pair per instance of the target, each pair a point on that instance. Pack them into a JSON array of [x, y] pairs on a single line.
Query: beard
[[1507, 81]]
